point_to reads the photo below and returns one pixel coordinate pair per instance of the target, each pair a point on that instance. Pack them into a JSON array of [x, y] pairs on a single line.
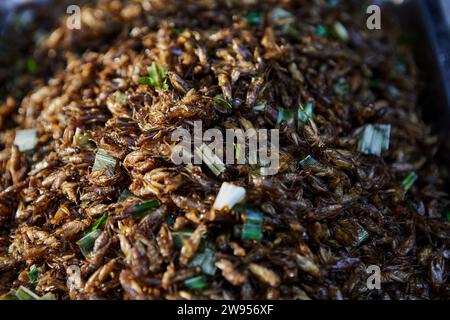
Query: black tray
[[428, 22]]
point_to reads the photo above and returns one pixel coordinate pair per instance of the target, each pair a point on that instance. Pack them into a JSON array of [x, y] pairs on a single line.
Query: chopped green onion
[[206, 261], [97, 223], [253, 19], [24, 293], [141, 210], [11, 295], [229, 195], [340, 31], [33, 274], [86, 243], [48, 296], [286, 115], [409, 181], [281, 16], [252, 228], [305, 113], [375, 139], [251, 232], [179, 235], [260, 105], [32, 66], [104, 161], [145, 80], [341, 87], [26, 139], [253, 217], [157, 77], [307, 162], [362, 236], [321, 30], [212, 161], [393, 91], [222, 104], [196, 283], [169, 219]]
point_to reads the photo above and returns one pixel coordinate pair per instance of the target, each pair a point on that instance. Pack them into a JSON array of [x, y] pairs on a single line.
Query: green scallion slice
[[196, 283], [341, 87], [97, 223], [260, 106], [11, 295], [23, 293], [253, 19], [253, 217], [104, 161], [48, 296], [169, 219], [222, 104], [321, 30], [375, 139], [286, 115], [142, 209], [145, 80], [157, 77], [362, 236], [179, 235], [305, 113], [212, 161], [206, 261], [86, 244], [307, 162], [340, 31], [393, 91], [33, 274], [251, 232], [409, 181], [237, 151], [32, 66], [281, 16], [252, 228], [26, 140]]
